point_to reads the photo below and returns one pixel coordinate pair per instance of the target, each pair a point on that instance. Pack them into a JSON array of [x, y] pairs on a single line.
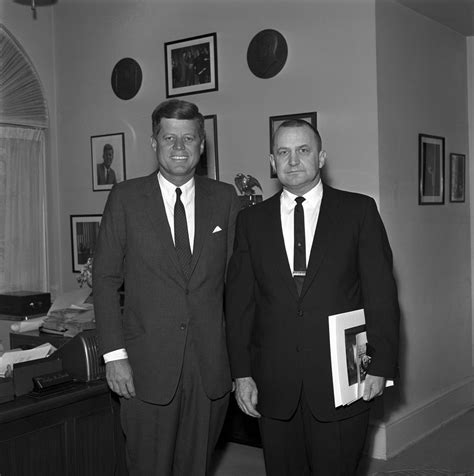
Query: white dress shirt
[[168, 191], [311, 207]]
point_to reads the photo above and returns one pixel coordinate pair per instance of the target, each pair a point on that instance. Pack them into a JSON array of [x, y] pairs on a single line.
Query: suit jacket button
[[182, 327], [298, 348], [300, 313]]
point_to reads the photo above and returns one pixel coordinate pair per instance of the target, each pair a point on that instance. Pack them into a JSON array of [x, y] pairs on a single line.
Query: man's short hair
[[177, 109], [299, 123], [107, 147]]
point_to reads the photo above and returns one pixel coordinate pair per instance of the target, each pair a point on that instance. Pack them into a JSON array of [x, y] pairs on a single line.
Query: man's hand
[[246, 394], [374, 387], [120, 378]]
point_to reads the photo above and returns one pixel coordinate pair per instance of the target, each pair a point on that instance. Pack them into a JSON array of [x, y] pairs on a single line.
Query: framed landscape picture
[[191, 65], [430, 170], [84, 233], [275, 121], [457, 177]]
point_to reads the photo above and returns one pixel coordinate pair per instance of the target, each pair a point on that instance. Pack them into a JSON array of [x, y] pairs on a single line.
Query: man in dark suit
[[295, 262], [105, 173], [168, 238]]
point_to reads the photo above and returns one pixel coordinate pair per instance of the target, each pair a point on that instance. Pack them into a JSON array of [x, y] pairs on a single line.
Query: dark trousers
[[177, 439], [303, 445]]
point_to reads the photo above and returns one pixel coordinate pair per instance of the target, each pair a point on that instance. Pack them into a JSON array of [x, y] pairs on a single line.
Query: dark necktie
[[181, 237], [299, 255]]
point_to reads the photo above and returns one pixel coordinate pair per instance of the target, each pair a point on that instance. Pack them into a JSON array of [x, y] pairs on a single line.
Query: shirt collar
[[168, 189], [312, 197]]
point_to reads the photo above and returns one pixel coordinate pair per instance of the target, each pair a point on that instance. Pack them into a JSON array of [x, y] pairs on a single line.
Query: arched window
[[23, 120]]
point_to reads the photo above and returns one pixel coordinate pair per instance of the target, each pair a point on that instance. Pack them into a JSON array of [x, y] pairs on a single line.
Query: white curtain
[[23, 264]]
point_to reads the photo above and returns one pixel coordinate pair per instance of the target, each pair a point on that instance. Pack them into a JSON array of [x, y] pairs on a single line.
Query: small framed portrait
[[209, 163], [191, 65], [275, 121], [108, 161], [431, 170], [457, 177], [84, 233]]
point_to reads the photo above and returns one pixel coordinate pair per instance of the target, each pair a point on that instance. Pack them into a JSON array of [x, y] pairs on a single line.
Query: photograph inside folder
[[10, 357], [349, 360]]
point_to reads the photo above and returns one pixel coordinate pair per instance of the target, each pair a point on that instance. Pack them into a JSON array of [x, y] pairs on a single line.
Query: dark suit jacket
[[111, 179], [281, 339], [162, 309]]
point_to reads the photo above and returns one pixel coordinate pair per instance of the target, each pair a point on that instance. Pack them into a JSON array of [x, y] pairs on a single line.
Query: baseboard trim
[[387, 439]]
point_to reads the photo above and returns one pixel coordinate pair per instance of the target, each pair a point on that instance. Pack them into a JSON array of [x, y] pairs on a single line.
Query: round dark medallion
[[267, 53], [126, 78]]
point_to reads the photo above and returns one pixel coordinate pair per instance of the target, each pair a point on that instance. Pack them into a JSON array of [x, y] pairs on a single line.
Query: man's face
[[296, 159], [108, 156], [178, 149]]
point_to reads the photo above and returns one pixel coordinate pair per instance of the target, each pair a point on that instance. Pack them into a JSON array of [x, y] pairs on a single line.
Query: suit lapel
[[322, 237], [155, 209], [203, 210]]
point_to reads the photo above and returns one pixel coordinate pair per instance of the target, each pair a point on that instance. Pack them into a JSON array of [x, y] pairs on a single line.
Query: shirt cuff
[[115, 355]]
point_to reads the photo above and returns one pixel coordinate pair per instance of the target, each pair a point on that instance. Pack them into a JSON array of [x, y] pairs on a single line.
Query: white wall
[[422, 88], [330, 69], [470, 170]]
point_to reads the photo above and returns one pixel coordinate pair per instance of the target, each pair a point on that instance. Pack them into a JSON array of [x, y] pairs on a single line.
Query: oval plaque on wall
[[267, 53], [126, 78]]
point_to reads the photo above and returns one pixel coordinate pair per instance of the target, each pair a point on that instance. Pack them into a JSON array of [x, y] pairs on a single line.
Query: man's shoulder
[[347, 197], [214, 186], [262, 209], [135, 185]]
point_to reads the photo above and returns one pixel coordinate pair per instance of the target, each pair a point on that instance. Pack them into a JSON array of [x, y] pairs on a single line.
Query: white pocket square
[[217, 229]]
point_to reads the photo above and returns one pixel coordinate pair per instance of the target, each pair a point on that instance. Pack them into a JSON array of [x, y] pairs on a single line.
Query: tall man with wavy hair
[[168, 238]]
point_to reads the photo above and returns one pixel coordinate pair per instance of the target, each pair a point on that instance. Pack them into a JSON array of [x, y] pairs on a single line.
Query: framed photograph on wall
[[430, 170], [209, 162], [275, 121], [108, 161], [191, 65], [84, 233], [457, 177]]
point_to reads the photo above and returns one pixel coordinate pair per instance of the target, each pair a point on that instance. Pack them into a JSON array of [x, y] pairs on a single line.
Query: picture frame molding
[[74, 220], [275, 121], [117, 140], [453, 196], [425, 198], [209, 86], [210, 150]]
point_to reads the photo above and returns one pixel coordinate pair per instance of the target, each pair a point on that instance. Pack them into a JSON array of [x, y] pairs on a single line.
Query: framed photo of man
[[457, 178], [431, 170], [275, 121], [191, 65], [84, 233], [108, 161]]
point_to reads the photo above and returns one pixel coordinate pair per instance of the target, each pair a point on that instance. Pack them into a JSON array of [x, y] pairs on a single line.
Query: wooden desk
[[74, 433]]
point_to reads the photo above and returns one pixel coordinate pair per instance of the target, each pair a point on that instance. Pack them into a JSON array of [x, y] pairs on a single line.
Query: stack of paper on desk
[[15, 356], [70, 314]]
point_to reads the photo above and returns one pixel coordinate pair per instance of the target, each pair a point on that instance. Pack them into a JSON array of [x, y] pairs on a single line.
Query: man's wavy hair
[[177, 109]]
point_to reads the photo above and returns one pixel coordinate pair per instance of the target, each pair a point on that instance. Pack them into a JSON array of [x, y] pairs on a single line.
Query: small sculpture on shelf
[[245, 185]]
